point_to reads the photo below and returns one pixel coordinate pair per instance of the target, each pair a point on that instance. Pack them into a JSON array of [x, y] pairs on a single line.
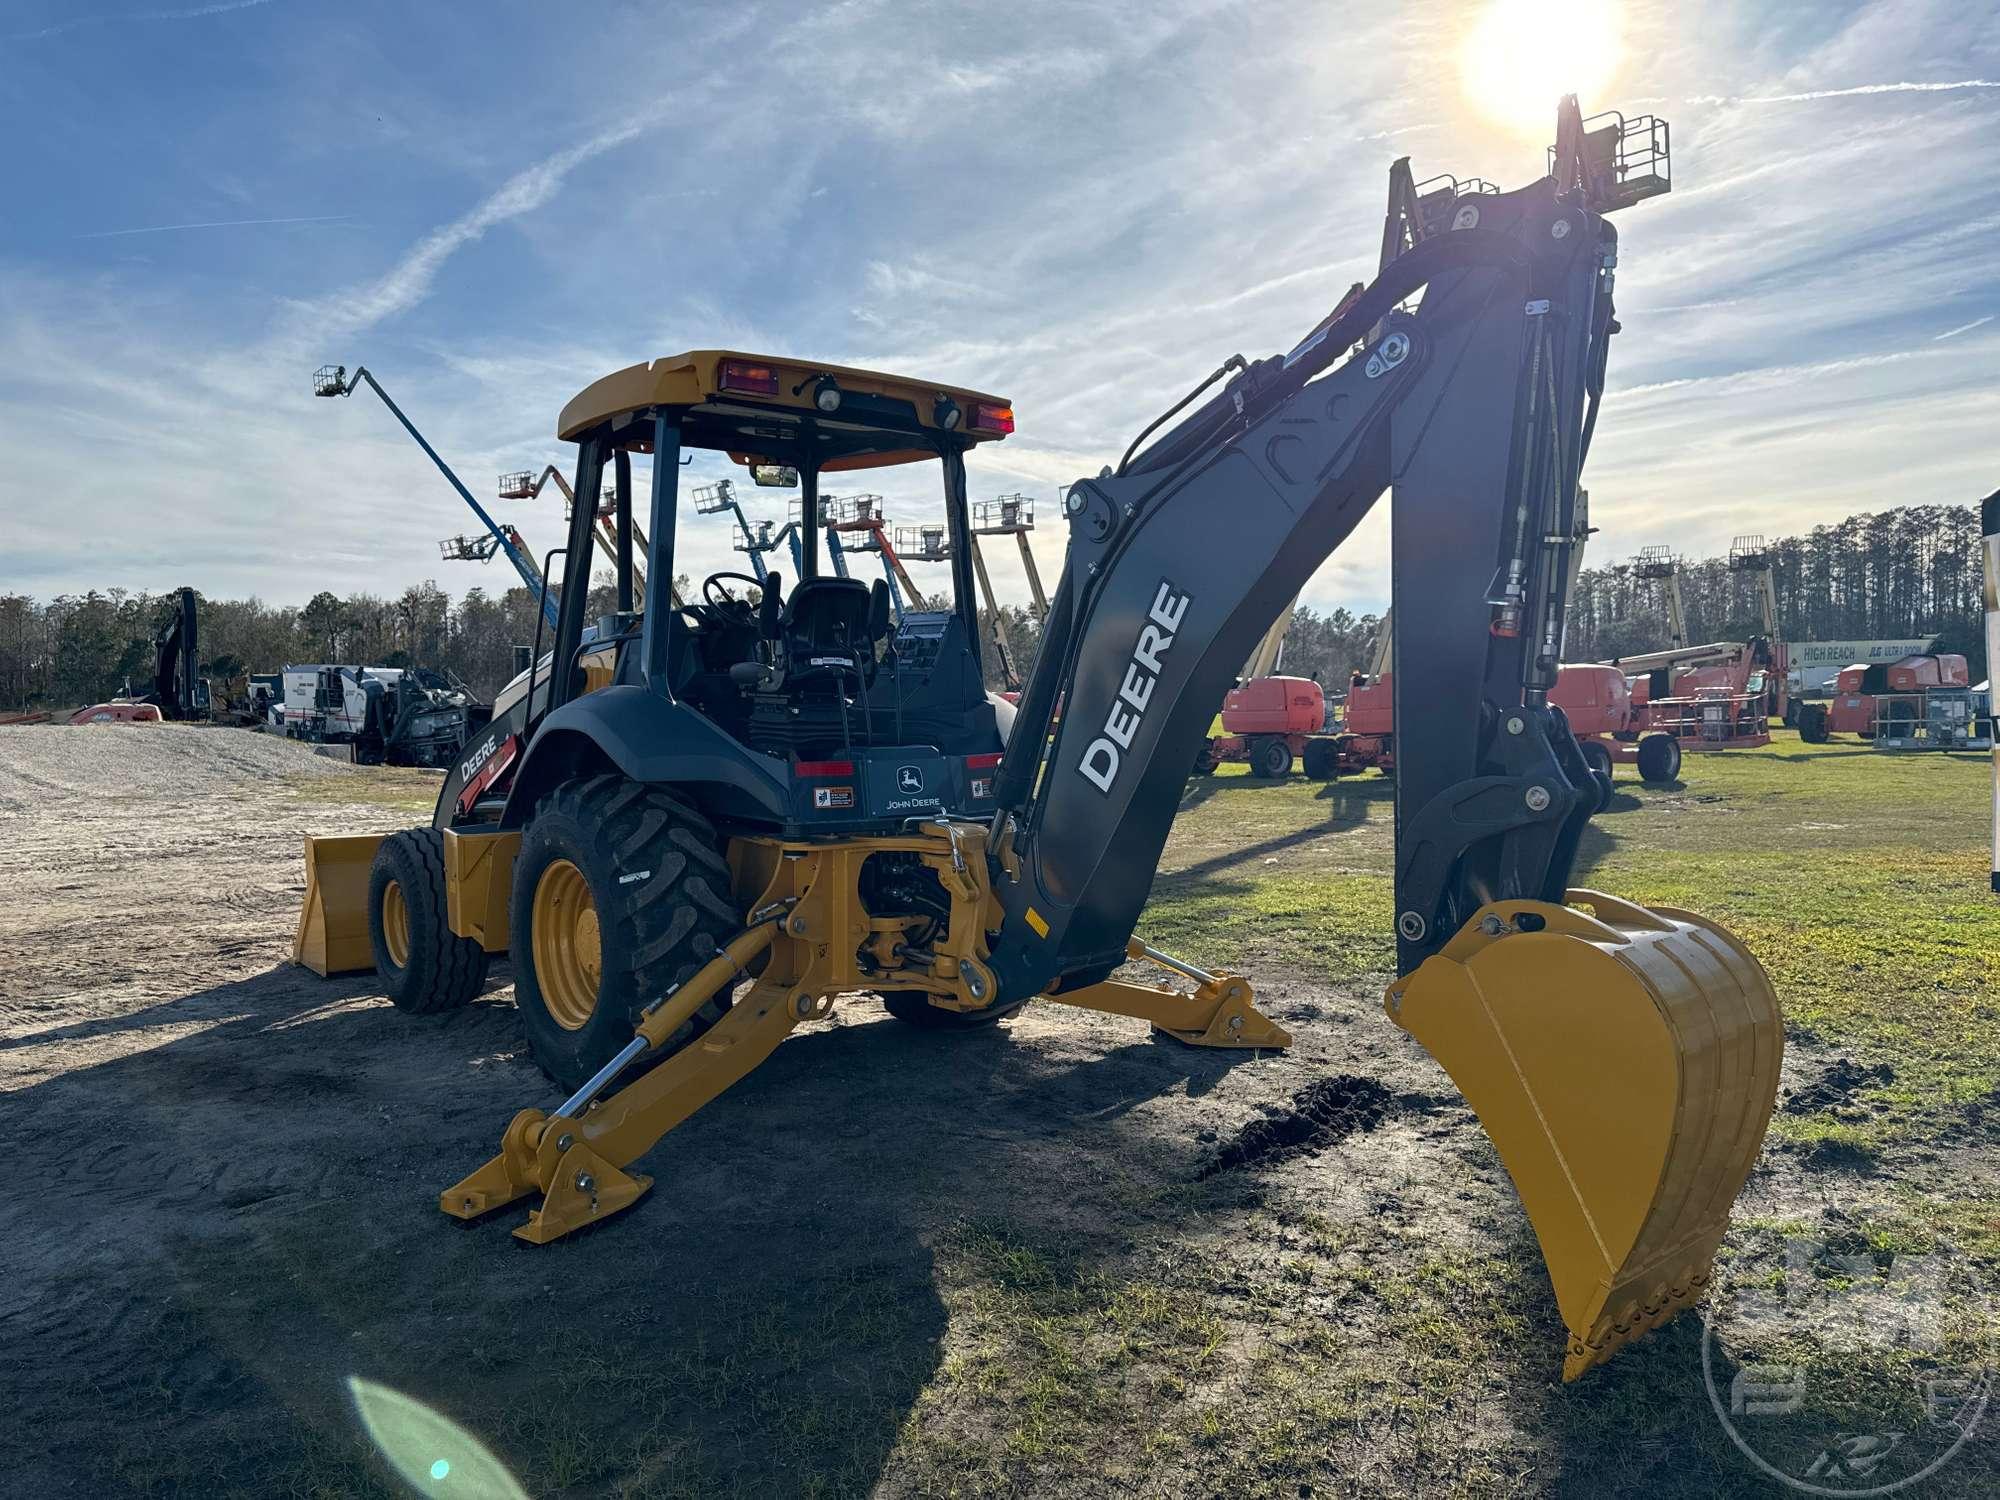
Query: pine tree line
[[1910, 572], [1886, 575]]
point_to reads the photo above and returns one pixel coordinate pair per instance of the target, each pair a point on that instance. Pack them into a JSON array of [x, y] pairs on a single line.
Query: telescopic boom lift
[[333, 380], [525, 484]]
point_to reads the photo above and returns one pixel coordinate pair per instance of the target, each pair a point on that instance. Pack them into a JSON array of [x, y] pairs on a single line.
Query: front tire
[[620, 893], [1659, 758], [1598, 757], [1812, 723], [424, 966], [1320, 761], [1271, 759]]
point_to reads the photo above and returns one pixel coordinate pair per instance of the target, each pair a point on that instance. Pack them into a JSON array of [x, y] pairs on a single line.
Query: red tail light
[[983, 762], [744, 375], [989, 418], [824, 768]]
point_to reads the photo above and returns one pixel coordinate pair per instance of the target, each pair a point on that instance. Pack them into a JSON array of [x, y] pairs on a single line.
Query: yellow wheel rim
[[396, 924], [568, 961]]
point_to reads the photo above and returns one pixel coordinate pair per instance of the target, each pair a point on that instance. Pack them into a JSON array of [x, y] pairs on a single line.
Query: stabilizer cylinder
[[1624, 1061]]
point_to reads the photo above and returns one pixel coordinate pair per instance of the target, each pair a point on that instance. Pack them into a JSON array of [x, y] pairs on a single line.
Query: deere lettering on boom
[[698, 827]]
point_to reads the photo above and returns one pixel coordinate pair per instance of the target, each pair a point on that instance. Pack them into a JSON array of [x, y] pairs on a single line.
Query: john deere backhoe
[[700, 826]]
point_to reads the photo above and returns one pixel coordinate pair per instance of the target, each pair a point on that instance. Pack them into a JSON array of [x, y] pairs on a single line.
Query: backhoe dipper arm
[[1475, 410]]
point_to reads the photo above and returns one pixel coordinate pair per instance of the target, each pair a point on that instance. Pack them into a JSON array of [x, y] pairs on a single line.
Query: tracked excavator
[[738, 814]]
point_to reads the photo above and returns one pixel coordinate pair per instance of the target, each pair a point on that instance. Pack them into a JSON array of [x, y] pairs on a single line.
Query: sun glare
[[1521, 56]]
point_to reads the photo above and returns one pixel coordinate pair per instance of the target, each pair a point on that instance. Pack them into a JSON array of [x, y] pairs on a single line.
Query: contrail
[[409, 281], [1952, 333], [106, 234], [1864, 88], [219, 7]]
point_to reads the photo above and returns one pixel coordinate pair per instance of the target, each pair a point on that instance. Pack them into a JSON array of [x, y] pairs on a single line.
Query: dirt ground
[[1056, 1256]]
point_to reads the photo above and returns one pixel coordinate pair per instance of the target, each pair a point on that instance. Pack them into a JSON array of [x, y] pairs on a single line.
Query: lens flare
[[411, 1437], [1522, 56]]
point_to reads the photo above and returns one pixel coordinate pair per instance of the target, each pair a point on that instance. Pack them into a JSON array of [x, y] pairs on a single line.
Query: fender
[[650, 739]]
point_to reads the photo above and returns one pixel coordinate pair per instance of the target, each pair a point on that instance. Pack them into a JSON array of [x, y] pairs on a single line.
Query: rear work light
[[743, 375], [824, 768], [989, 418]]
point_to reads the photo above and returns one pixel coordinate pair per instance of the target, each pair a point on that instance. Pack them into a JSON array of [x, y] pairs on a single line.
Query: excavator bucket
[[333, 924], [1624, 1061]]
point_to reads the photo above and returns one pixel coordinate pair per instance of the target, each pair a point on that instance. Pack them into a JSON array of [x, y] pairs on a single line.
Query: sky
[[1083, 206]]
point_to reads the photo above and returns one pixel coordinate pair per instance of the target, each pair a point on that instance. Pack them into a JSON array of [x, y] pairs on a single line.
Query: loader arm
[[1472, 409]]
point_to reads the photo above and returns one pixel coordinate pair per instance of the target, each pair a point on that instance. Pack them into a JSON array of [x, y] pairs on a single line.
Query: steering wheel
[[713, 593]]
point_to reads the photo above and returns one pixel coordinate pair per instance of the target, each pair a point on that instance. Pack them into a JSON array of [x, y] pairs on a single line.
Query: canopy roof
[[877, 418]]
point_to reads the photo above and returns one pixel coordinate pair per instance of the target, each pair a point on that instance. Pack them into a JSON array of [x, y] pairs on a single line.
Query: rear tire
[[915, 1008], [424, 966], [1659, 758], [1204, 760], [1812, 723], [1598, 758], [1270, 759], [630, 892]]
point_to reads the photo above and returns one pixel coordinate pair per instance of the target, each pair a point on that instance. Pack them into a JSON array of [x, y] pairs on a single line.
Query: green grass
[[1859, 880], [396, 788]]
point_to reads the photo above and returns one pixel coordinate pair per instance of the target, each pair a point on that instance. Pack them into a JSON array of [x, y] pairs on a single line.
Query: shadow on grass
[[1596, 845], [232, 1223], [1344, 810], [1834, 754]]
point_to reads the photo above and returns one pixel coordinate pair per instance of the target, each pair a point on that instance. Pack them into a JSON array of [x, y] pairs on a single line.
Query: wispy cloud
[[1762, 377], [410, 279], [1952, 333], [1847, 93], [190, 13], [110, 234]]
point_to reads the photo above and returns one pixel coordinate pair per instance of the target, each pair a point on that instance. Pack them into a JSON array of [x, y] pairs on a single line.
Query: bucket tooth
[[1624, 1062]]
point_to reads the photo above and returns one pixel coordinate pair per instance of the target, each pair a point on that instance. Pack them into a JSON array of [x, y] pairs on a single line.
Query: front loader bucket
[[1625, 1063], [333, 924]]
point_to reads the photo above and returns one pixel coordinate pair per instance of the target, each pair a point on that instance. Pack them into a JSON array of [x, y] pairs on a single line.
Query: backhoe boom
[[1472, 410]]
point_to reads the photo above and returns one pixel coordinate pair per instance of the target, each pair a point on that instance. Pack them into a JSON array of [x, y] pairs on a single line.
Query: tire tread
[[458, 968], [671, 924]]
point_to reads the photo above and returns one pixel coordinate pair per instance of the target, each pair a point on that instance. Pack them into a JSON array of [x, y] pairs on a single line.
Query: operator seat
[[827, 627]]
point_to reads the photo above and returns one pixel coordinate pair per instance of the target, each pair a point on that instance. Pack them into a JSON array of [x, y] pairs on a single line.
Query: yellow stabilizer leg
[[1625, 1063], [1222, 1012], [578, 1164], [332, 936]]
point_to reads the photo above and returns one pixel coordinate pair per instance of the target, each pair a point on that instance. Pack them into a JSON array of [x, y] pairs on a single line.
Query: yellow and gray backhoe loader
[[700, 827]]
